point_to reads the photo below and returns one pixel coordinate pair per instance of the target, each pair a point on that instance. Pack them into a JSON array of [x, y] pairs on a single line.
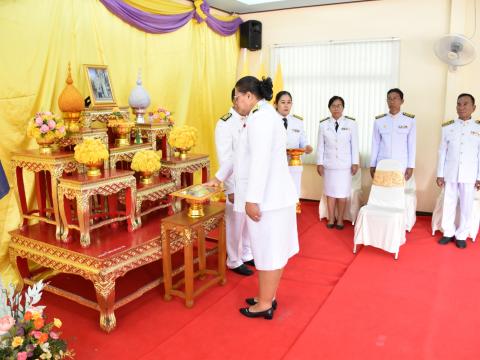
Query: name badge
[[296, 130], [345, 129], [476, 133], [403, 126]]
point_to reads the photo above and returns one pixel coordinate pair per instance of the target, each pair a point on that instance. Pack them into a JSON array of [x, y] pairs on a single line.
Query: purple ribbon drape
[[158, 24]]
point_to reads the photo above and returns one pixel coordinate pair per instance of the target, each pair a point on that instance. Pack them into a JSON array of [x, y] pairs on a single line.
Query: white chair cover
[[438, 210], [354, 202], [410, 203], [381, 223]]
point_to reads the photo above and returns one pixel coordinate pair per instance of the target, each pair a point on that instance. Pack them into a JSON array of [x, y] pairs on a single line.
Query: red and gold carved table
[[112, 254], [48, 168], [96, 118], [190, 230], [156, 191], [125, 153], [154, 131], [81, 187], [181, 171], [73, 139]]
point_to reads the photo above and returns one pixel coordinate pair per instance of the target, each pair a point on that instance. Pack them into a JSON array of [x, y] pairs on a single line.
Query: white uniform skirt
[[274, 239], [337, 183]]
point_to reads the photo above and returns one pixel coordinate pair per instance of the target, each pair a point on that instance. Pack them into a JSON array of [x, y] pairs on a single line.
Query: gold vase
[[94, 168], [123, 135], [72, 121], [295, 157], [183, 153], [45, 145], [146, 177], [196, 209]]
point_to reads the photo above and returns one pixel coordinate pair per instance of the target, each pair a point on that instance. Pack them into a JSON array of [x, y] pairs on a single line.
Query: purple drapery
[[158, 24]]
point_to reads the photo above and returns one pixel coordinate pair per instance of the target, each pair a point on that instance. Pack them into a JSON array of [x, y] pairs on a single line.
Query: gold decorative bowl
[[196, 196], [294, 156]]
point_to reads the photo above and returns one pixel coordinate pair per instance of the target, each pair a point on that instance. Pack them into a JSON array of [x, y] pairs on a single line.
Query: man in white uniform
[[239, 252], [394, 135], [459, 170]]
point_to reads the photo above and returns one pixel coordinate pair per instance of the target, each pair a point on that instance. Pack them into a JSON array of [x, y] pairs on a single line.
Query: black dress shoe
[[252, 301], [445, 240], [266, 314], [242, 270], [461, 244], [339, 226], [250, 262], [330, 226]]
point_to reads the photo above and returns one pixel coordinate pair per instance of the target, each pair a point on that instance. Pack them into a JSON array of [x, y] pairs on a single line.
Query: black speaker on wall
[[251, 35]]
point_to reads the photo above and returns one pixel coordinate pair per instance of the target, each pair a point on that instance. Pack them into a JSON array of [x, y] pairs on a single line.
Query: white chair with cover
[[381, 223], [438, 210], [354, 202], [410, 203]]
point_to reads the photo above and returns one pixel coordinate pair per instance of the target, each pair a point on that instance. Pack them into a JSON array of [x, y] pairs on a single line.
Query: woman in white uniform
[[296, 138], [337, 159], [264, 190]]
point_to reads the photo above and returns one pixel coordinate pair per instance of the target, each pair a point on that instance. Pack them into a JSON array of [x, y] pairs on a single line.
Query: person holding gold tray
[[296, 139]]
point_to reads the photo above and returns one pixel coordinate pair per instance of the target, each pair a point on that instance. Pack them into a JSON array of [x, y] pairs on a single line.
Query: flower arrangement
[[146, 161], [46, 126], [25, 332], [116, 118], [161, 114], [91, 151], [183, 137]]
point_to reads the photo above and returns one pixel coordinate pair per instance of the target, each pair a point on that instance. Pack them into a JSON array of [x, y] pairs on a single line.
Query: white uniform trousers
[[296, 172], [453, 191], [238, 242]]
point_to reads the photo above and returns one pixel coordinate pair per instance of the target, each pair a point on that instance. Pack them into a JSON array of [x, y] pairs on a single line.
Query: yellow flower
[[57, 323], [17, 341], [36, 315], [183, 137], [91, 151], [146, 160]]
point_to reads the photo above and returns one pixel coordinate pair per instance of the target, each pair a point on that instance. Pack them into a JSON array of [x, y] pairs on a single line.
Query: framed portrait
[[100, 85]]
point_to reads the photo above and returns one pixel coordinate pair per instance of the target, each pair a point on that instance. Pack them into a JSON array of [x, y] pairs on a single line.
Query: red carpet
[[422, 306]]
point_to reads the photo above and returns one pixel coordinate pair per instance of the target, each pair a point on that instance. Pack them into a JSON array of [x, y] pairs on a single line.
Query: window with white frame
[[361, 72]]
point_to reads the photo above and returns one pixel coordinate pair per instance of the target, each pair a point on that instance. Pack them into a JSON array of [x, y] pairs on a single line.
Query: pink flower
[[44, 129], [52, 124], [38, 120], [167, 113], [54, 335], [36, 334], [61, 129], [48, 113], [6, 323], [22, 355]]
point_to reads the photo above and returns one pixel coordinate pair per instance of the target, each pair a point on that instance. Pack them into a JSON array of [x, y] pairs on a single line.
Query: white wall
[[430, 90]]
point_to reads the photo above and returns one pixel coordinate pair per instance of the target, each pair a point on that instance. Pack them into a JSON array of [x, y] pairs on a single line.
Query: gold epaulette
[[255, 108], [328, 117], [446, 123], [349, 117], [409, 115], [380, 116], [477, 121], [298, 117], [226, 116]]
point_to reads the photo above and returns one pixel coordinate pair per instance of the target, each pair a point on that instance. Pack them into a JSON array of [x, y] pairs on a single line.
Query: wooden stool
[[189, 230]]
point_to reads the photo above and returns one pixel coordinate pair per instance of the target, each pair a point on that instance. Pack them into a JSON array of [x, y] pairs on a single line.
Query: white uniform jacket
[[295, 132], [260, 167], [227, 132], [394, 137], [337, 149], [459, 151]]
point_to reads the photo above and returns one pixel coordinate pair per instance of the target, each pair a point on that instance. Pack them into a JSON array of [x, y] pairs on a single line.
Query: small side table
[[125, 153], [81, 187], [176, 167], [189, 230], [156, 130], [48, 168], [157, 190]]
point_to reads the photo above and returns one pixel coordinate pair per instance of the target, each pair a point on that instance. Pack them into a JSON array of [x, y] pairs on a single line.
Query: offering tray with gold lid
[[196, 196]]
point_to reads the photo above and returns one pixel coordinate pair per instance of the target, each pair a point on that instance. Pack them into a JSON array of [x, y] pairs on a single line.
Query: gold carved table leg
[[59, 230], [12, 254], [202, 258], [83, 213], [222, 252], [167, 262], [105, 291], [188, 274]]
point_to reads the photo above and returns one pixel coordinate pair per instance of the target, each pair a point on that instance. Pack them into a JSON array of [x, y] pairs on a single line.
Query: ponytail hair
[[262, 89]]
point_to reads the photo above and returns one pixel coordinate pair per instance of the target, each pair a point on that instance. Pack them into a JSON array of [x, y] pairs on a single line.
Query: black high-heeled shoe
[[252, 301], [266, 314]]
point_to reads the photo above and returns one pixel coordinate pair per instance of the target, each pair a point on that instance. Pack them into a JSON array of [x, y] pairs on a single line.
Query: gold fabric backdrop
[[190, 72]]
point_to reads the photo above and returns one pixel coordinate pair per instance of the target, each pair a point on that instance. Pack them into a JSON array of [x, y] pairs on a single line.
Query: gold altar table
[[157, 190], [181, 171], [190, 230], [125, 153], [48, 168], [154, 131], [81, 187]]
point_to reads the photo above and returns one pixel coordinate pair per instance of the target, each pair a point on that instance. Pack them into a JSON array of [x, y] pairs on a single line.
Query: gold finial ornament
[[70, 103]]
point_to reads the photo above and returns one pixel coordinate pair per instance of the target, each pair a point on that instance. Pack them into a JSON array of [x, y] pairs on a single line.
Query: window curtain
[[361, 72], [190, 72]]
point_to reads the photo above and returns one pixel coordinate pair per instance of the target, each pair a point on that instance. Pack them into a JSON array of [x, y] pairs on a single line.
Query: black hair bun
[[266, 88]]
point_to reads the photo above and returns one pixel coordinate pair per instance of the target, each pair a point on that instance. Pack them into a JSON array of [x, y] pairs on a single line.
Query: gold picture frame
[[99, 85]]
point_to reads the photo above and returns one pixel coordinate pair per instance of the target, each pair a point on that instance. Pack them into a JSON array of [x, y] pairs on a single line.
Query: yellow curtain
[[190, 72]]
